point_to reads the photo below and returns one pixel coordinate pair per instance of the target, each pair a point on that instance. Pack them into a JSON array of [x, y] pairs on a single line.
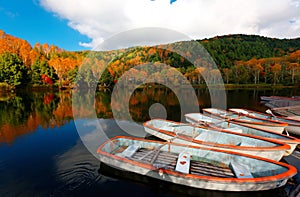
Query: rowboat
[[281, 103], [211, 137], [281, 98], [199, 118], [269, 125], [193, 166], [292, 112], [293, 125]]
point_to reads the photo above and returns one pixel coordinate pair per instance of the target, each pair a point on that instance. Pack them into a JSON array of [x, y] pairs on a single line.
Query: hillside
[[240, 58], [227, 49]]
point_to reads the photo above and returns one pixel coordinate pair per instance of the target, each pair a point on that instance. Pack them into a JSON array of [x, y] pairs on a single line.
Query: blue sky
[[85, 24], [28, 20]]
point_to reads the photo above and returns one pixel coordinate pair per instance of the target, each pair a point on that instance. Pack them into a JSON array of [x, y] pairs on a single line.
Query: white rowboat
[[199, 118], [272, 125], [216, 138], [194, 166], [293, 125]]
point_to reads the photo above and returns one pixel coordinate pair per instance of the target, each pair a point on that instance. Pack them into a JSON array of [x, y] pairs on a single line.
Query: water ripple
[[76, 170]]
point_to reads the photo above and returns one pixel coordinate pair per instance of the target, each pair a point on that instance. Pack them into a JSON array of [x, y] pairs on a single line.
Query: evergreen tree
[[12, 70], [42, 73], [72, 75]]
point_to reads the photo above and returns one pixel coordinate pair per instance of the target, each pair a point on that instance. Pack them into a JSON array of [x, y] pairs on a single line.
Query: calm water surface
[[41, 153]]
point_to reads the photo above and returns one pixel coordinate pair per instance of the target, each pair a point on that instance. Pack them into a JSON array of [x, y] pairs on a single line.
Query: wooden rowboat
[[217, 138], [293, 125], [194, 166], [215, 122], [270, 125]]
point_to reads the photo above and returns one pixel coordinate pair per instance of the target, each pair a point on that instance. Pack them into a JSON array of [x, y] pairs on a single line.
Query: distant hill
[[230, 48]]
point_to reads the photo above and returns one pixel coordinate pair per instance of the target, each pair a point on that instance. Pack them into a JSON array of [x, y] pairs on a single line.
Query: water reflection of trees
[[142, 99], [15, 113], [102, 105], [43, 105], [23, 113], [14, 110]]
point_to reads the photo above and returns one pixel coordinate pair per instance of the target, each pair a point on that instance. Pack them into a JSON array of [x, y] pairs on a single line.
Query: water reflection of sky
[[96, 131], [54, 161], [28, 163]]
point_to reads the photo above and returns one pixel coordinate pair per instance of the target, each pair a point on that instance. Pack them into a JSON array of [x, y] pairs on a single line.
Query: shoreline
[[201, 86]]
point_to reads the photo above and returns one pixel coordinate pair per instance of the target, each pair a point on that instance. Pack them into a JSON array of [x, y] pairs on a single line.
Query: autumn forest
[[242, 59]]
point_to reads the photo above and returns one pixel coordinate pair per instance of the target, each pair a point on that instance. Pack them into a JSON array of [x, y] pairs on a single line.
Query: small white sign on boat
[[183, 163]]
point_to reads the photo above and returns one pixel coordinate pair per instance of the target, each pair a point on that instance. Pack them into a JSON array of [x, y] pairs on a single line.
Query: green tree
[[72, 75], [85, 78], [12, 70], [40, 69], [89, 78], [106, 79]]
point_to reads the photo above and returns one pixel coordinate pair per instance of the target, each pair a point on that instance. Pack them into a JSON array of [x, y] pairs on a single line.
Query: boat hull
[[216, 138], [270, 154], [275, 129], [267, 174], [198, 118], [271, 126], [292, 127], [201, 184]]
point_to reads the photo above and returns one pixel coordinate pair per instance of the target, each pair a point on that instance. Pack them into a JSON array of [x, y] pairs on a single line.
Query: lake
[[43, 139]]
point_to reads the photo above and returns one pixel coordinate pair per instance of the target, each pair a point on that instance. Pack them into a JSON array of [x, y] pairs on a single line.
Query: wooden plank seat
[[240, 170], [234, 129], [129, 151], [207, 169], [163, 159], [169, 160]]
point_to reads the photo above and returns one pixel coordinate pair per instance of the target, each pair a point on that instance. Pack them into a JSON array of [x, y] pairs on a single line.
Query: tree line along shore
[[242, 60]]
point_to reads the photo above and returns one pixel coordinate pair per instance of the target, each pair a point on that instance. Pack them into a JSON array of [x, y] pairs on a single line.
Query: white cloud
[[100, 19]]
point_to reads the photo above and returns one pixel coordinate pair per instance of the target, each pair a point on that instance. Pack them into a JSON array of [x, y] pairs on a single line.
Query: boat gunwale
[[297, 122], [281, 145], [291, 170], [272, 123], [290, 139]]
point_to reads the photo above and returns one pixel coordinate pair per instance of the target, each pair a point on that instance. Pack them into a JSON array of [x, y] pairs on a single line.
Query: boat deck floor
[[168, 160]]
